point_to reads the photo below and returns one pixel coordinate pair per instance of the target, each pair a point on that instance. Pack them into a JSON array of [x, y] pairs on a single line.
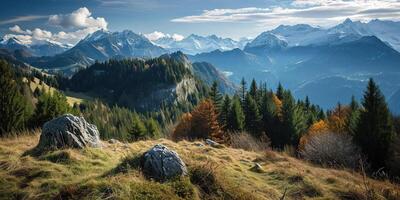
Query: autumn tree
[[201, 123], [183, 128]]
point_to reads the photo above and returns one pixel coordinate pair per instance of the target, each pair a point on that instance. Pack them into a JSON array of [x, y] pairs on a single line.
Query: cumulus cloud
[[76, 26], [315, 12], [158, 35], [80, 18]]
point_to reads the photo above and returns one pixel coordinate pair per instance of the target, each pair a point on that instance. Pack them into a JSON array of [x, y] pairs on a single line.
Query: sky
[[68, 21]]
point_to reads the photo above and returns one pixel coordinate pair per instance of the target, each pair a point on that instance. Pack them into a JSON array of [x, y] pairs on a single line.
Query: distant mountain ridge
[[44, 48], [304, 58], [194, 44]]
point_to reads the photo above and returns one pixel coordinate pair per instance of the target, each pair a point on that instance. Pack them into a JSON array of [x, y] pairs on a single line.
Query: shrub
[[331, 149], [243, 140]]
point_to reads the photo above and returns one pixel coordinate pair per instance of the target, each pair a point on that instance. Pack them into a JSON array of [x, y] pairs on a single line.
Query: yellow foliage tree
[[278, 105], [337, 120]]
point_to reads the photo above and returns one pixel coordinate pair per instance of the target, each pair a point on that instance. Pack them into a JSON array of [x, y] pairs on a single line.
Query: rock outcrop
[[69, 131], [162, 164]]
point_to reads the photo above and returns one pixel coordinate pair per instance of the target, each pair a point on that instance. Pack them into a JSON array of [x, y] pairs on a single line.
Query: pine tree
[[138, 129], [353, 117], [253, 90], [293, 122], [242, 91], [375, 130], [224, 113], [215, 96], [268, 113], [280, 92], [252, 116], [50, 106], [236, 116], [153, 129], [12, 103]]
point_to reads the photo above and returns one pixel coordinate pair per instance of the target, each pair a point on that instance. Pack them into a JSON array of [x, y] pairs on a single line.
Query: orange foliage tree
[[337, 120], [278, 105], [183, 128], [202, 123], [319, 127]]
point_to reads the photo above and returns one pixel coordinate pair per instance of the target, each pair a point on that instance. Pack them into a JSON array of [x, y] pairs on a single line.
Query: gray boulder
[[69, 131], [162, 164]]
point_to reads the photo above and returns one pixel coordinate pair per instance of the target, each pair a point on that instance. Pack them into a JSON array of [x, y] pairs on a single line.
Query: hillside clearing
[[214, 174]]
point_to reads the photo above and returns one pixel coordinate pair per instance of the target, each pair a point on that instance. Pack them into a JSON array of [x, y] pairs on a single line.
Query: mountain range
[[194, 44], [326, 64], [42, 48]]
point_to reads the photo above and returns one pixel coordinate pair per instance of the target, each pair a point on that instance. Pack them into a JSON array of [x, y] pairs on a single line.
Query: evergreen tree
[[375, 130], [242, 91], [252, 116], [268, 113], [253, 90], [152, 127], [280, 92], [353, 117], [224, 113], [138, 130], [236, 116], [50, 106], [12, 103], [215, 96], [293, 123]]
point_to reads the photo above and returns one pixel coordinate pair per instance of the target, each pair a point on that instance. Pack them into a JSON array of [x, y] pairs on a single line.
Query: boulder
[[257, 168], [214, 144], [162, 164], [69, 131]]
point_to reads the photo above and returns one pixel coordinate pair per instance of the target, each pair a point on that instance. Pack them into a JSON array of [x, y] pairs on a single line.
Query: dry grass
[[214, 174]]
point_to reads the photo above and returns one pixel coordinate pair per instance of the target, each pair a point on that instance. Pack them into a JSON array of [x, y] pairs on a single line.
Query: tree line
[[350, 132]]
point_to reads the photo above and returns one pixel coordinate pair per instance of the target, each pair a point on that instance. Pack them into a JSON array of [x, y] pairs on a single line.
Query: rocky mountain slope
[[111, 172]]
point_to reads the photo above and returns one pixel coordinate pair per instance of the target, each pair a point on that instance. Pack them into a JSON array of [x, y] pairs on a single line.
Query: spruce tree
[[12, 103], [375, 130], [152, 128], [224, 114], [252, 116], [280, 92], [215, 96], [236, 116], [242, 91], [268, 113], [293, 122], [353, 117], [50, 106], [138, 129], [253, 90]]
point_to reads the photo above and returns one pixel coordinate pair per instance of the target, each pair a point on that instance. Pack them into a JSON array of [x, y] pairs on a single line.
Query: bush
[[243, 140], [331, 149]]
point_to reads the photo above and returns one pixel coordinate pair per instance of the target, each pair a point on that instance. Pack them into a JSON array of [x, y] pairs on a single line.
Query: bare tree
[[331, 149]]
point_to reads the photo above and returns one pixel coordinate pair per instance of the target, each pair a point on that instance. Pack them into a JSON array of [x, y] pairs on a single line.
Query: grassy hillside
[[111, 173], [72, 97]]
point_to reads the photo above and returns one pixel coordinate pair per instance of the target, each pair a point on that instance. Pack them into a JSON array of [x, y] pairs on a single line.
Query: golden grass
[[214, 174], [72, 97]]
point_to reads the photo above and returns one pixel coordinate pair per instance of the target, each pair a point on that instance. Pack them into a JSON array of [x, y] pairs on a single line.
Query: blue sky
[[70, 20]]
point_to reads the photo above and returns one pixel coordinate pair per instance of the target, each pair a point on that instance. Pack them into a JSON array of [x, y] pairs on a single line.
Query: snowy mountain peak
[[267, 40]]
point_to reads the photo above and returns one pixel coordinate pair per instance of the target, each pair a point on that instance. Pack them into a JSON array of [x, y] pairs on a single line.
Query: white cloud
[[22, 19], [80, 18], [315, 12], [77, 25], [17, 29], [158, 35], [155, 35]]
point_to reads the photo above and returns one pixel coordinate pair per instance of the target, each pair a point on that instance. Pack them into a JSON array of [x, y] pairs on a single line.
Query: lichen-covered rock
[[162, 164], [69, 131]]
